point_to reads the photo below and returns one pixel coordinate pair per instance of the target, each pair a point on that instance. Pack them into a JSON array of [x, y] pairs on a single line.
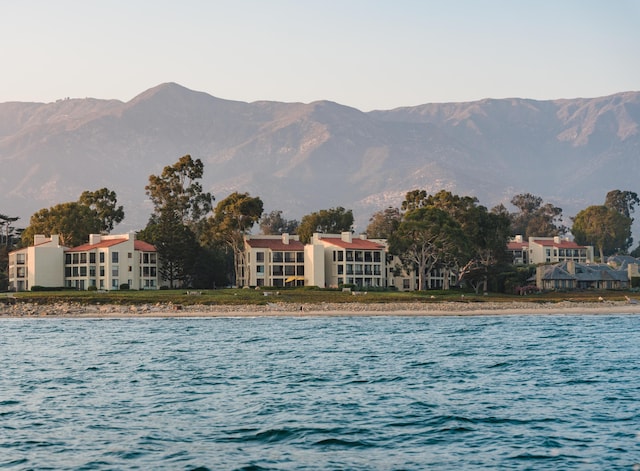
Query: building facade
[[37, 265], [273, 260], [106, 262], [539, 250], [335, 260]]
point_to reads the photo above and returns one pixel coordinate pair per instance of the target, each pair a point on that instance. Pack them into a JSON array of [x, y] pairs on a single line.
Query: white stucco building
[[106, 262]]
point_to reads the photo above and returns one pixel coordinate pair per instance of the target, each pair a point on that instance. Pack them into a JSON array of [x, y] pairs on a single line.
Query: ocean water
[[343, 393]]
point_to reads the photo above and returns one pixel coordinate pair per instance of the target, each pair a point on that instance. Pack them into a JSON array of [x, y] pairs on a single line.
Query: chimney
[[94, 238], [518, 238], [285, 238], [571, 267], [346, 237], [556, 239]]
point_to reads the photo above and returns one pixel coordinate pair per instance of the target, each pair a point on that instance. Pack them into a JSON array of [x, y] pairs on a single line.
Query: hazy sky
[[368, 54]]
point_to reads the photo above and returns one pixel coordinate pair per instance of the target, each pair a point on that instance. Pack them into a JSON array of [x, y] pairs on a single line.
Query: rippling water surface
[[352, 393]]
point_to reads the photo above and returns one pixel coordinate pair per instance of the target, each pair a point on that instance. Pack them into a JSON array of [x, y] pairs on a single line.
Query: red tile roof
[[276, 244], [137, 245], [563, 244], [100, 245], [517, 245], [143, 246], [355, 244]]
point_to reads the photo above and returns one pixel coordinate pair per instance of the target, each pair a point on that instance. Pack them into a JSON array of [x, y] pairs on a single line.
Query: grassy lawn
[[298, 295]]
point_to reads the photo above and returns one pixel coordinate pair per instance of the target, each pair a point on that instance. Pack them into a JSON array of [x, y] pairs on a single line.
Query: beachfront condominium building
[[110, 261], [539, 250], [335, 260], [37, 265], [273, 260], [105, 262]]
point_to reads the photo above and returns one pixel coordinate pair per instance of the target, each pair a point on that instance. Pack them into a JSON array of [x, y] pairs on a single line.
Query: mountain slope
[[304, 157]]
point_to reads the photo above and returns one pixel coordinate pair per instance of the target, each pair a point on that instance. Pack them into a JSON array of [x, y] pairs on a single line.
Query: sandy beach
[[72, 310]]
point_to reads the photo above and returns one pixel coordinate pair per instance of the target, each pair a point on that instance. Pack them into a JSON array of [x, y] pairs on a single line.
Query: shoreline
[[430, 309]]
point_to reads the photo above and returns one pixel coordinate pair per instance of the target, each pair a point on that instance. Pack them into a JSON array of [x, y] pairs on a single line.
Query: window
[[289, 270], [83, 257], [260, 257], [114, 271], [277, 270], [101, 271], [300, 257], [92, 271], [406, 284], [289, 257], [340, 269], [340, 256], [349, 255], [130, 268], [376, 257], [129, 255], [83, 271], [20, 259], [67, 259], [260, 269], [152, 258], [153, 271], [75, 271], [114, 283], [300, 270], [92, 257], [277, 257], [114, 257], [101, 257], [75, 257], [67, 272], [145, 258]]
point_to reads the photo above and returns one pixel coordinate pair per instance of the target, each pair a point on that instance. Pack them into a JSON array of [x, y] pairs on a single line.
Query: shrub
[[124, 286]]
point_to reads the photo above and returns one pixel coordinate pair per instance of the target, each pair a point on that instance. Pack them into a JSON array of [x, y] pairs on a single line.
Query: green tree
[[180, 206], [624, 202], [7, 231], [426, 238], [383, 223], [72, 221], [273, 224], [329, 221], [176, 245], [178, 189], [602, 227], [105, 203], [535, 219], [233, 218], [485, 236]]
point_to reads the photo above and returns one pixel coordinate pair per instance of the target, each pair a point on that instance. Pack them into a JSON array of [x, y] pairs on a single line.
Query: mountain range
[[302, 157]]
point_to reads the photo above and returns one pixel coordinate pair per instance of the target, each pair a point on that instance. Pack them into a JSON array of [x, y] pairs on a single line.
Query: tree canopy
[[383, 223], [180, 206], [273, 224], [178, 189], [329, 221], [604, 228], [535, 219], [72, 221], [105, 203], [233, 218]]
